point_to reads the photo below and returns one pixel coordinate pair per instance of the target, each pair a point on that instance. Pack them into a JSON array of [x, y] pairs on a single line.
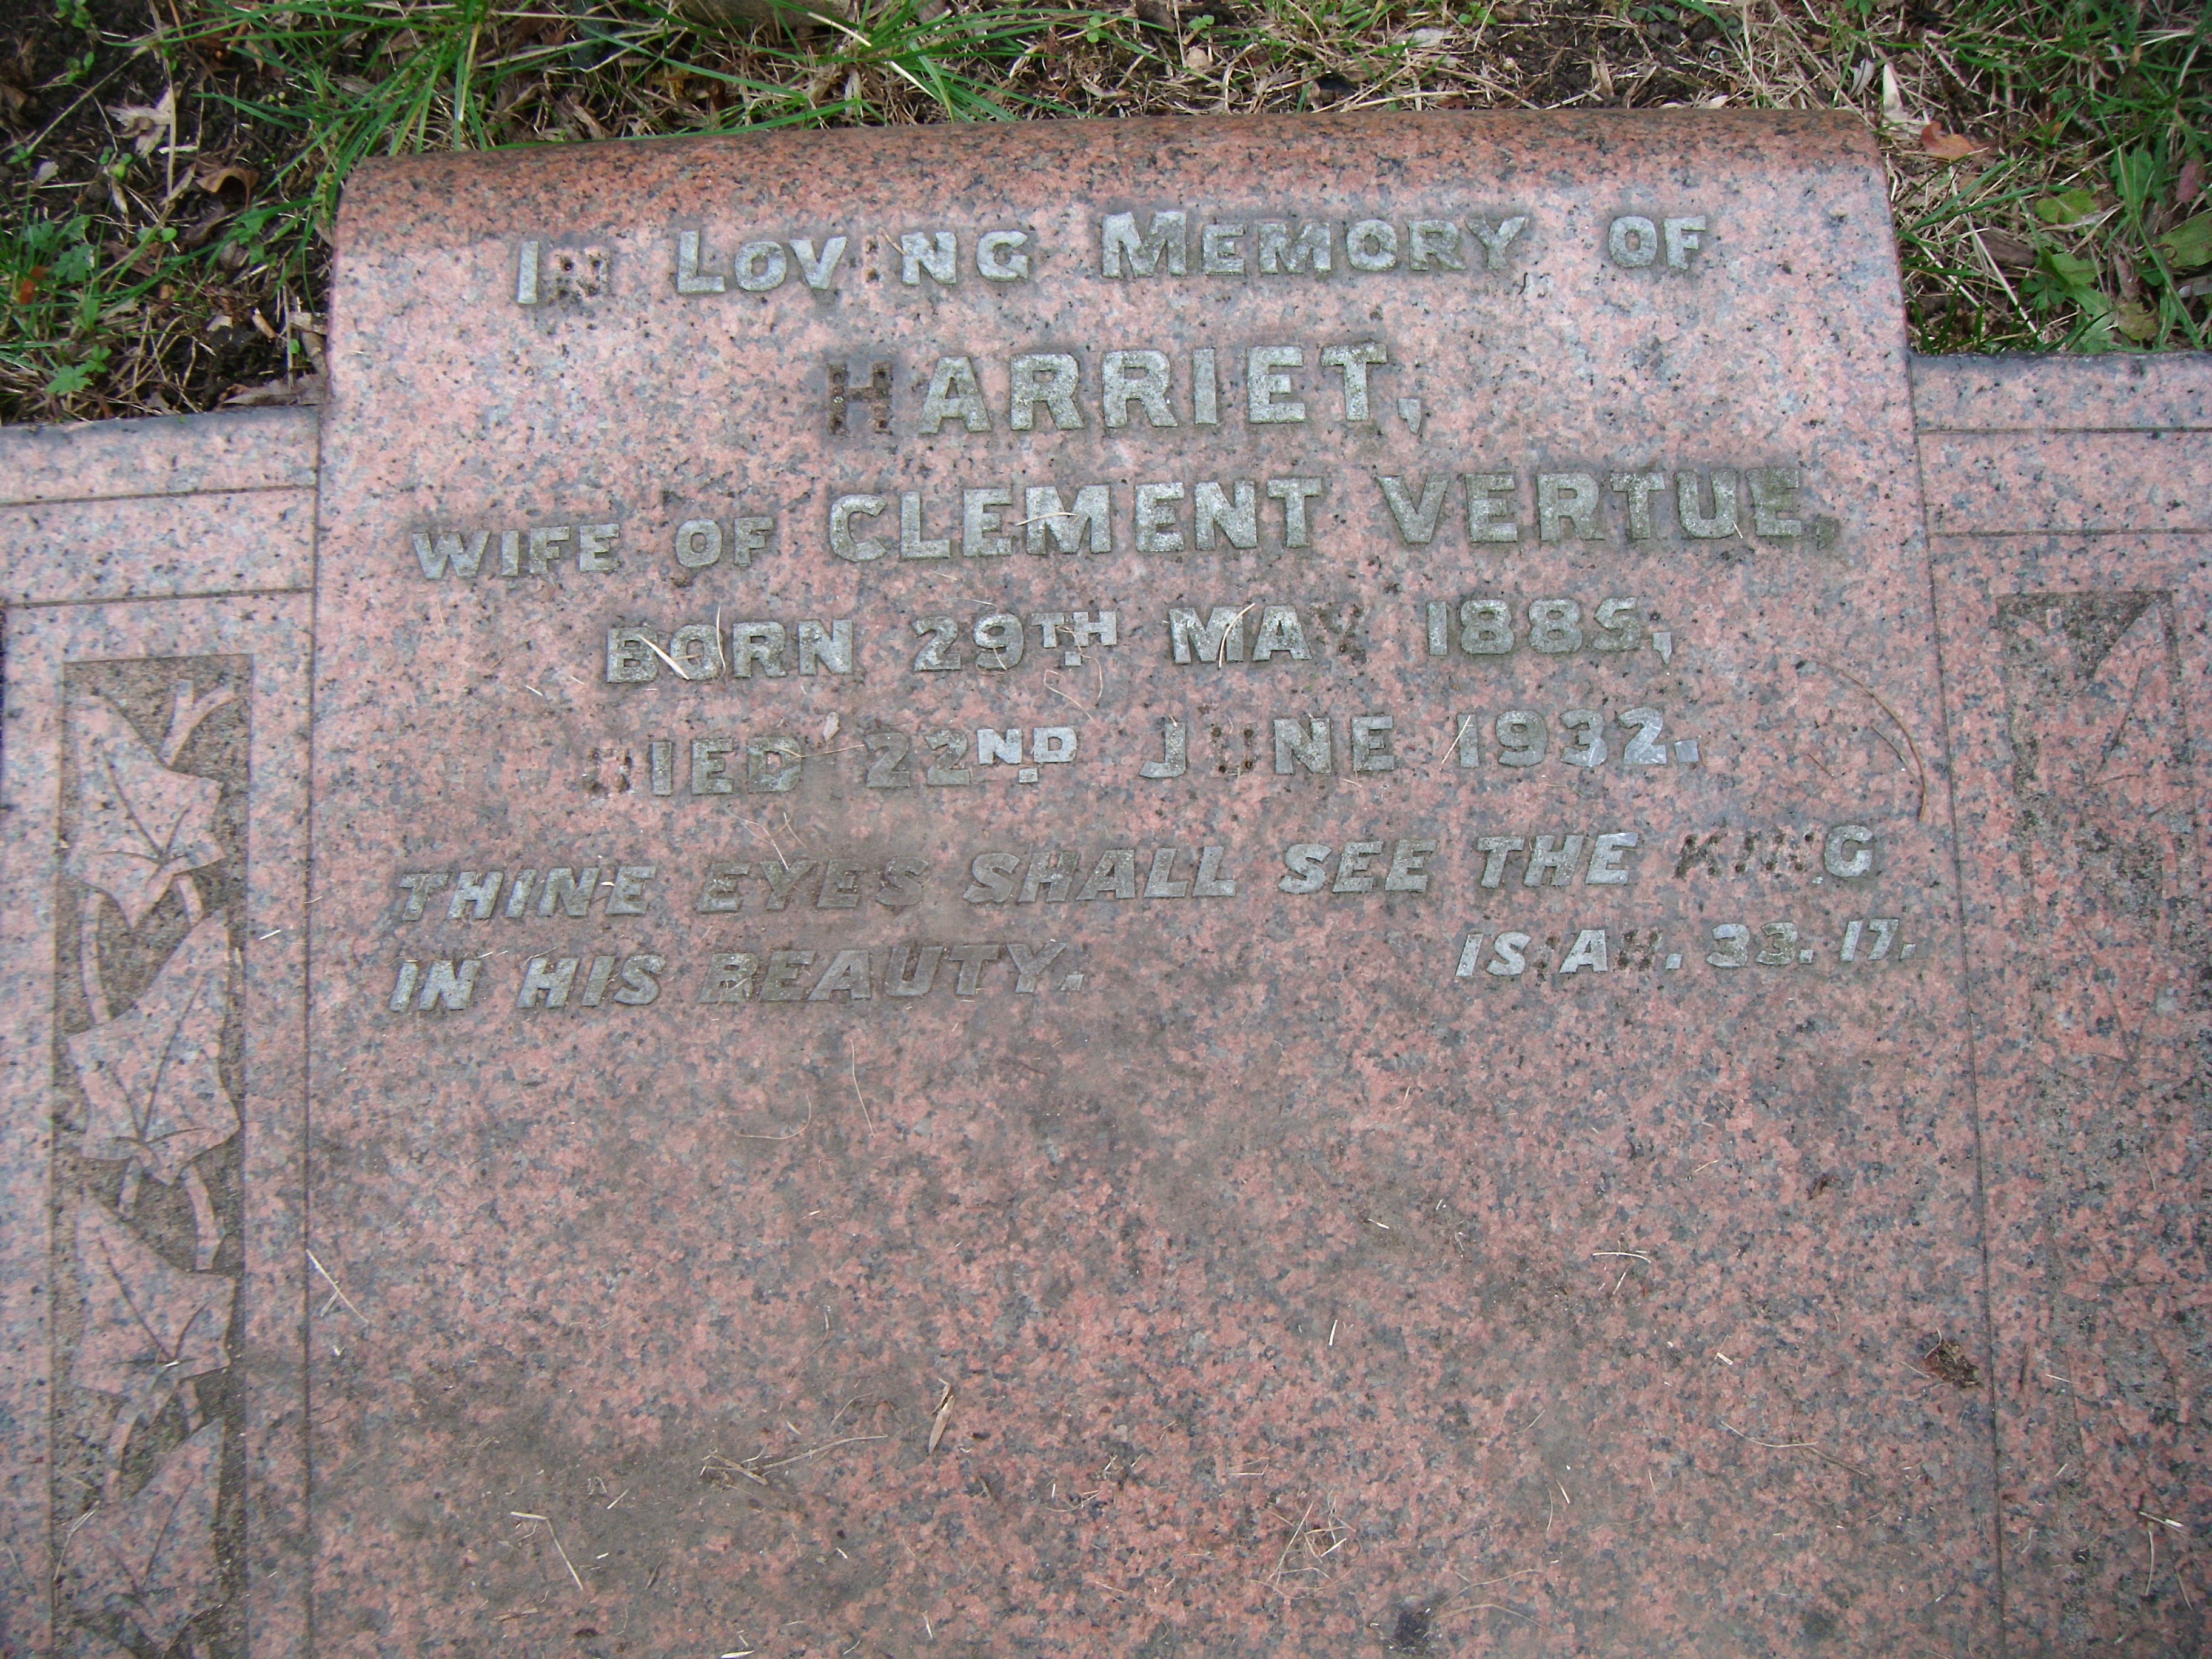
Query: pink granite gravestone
[[1267, 797], [1158, 889]]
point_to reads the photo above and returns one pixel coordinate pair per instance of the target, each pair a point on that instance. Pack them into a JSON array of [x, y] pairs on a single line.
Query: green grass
[[455, 75], [150, 266], [2104, 105]]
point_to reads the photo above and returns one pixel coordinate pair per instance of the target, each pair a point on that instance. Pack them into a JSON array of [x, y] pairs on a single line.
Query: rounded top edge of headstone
[[398, 189]]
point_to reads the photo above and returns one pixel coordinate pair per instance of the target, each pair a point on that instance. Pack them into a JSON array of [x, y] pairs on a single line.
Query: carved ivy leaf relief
[[138, 825], [2098, 742], [152, 1557], [152, 1075], [148, 1064], [2111, 745], [148, 1326]]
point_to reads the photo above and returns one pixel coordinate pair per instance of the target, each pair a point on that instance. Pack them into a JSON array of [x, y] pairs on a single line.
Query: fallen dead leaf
[[1948, 146], [1947, 1362], [2186, 186], [1894, 113], [216, 181], [302, 390], [201, 230], [940, 1418]]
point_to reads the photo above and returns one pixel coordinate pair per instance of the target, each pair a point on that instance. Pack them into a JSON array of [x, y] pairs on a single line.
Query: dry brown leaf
[[216, 181], [1948, 146], [201, 230], [733, 14], [2124, 277]]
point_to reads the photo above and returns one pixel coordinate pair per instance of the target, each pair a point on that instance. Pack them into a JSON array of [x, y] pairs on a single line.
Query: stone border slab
[[141, 547], [152, 1142], [2079, 687], [2070, 588], [2100, 483], [177, 455], [2120, 393]]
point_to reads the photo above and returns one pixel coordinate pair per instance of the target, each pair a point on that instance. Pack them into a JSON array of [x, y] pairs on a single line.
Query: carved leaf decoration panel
[[152, 1557], [146, 1489], [147, 1324], [154, 1075], [2097, 733], [138, 825]]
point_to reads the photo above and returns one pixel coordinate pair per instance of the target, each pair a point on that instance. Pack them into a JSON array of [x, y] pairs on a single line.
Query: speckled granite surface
[[1248, 1216], [1011, 1135], [153, 872], [2072, 630]]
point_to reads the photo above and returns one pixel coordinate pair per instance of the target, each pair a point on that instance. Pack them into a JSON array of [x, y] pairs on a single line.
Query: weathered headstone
[[1262, 796], [1170, 888]]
